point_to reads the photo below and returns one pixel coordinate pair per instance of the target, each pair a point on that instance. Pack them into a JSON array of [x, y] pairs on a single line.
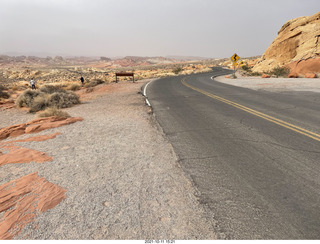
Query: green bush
[[246, 68], [280, 71], [254, 74], [177, 70]]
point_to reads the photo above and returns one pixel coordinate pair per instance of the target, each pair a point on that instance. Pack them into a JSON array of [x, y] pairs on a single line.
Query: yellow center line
[[292, 127]]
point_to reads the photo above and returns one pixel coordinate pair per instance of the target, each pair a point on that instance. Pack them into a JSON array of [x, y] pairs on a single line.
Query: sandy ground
[[273, 84], [121, 176]]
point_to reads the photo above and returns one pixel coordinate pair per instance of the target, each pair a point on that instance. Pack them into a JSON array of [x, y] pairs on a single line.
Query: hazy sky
[[208, 28]]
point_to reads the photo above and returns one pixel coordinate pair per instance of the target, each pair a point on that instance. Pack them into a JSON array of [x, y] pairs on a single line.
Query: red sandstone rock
[[53, 123], [293, 75], [36, 125], [23, 199], [227, 76], [38, 138], [265, 76], [303, 67], [23, 155], [310, 75]]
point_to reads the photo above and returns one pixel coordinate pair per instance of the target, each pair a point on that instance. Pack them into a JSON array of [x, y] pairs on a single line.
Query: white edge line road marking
[[145, 93]]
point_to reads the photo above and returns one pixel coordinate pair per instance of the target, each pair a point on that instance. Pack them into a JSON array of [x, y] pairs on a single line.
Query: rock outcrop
[[296, 45], [22, 200], [36, 125]]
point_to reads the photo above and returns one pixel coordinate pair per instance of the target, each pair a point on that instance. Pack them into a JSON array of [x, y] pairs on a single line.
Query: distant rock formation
[[296, 46]]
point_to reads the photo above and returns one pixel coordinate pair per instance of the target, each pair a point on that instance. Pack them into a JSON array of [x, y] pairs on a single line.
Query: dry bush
[[52, 111], [52, 89], [90, 89], [3, 94], [49, 96], [94, 83], [73, 87], [63, 99], [39, 103], [26, 98]]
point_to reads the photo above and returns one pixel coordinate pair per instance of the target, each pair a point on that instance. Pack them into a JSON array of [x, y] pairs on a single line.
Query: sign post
[[234, 59]]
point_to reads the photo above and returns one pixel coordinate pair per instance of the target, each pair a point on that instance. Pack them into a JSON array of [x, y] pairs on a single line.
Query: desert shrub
[[63, 99], [53, 111], [89, 89], [94, 83], [254, 74], [26, 98], [3, 94], [73, 87], [177, 70], [51, 89], [279, 71], [39, 100], [246, 68], [15, 88], [39, 103]]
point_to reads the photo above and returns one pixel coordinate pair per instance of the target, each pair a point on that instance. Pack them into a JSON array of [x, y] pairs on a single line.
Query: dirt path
[[121, 176]]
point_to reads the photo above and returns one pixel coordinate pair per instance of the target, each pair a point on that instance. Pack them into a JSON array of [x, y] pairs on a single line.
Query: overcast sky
[[207, 28]]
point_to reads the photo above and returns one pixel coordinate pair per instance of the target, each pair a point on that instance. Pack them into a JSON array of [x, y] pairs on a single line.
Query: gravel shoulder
[[122, 176], [273, 84]]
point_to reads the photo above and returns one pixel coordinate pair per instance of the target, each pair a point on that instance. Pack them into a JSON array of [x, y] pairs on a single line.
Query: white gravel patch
[[122, 177], [273, 84]]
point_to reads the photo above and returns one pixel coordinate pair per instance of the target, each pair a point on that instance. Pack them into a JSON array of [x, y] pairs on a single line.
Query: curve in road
[[252, 155]]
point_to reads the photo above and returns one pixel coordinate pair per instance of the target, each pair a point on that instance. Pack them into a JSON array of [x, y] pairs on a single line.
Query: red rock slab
[[38, 138], [293, 75], [36, 125], [310, 75], [303, 67], [23, 155], [22, 200], [265, 76]]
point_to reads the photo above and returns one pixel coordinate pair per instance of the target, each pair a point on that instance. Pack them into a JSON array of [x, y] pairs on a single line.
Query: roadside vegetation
[[279, 72], [275, 72], [47, 97], [3, 93]]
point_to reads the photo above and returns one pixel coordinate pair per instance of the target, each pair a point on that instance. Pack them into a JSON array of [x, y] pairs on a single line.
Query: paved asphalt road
[[252, 155]]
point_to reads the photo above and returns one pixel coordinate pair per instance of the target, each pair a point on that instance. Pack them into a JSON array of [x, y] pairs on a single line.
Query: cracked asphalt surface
[[255, 178]]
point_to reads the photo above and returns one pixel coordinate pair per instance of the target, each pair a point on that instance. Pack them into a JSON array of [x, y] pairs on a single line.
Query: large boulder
[[297, 41]]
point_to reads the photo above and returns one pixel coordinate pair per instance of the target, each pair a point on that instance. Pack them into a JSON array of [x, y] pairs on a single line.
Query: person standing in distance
[[33, 84], [82, 80]]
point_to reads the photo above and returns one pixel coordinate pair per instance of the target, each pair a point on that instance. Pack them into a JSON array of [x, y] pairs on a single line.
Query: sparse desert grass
[[73, 87], [94, 83], [53, 111], [52, 89]]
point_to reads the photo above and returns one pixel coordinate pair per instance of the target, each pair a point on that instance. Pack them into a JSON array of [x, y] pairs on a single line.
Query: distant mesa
[[296, 46]]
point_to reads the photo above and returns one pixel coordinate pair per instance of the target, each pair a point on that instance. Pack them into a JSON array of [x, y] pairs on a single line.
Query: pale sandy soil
[[273, 84], [121, 176]]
